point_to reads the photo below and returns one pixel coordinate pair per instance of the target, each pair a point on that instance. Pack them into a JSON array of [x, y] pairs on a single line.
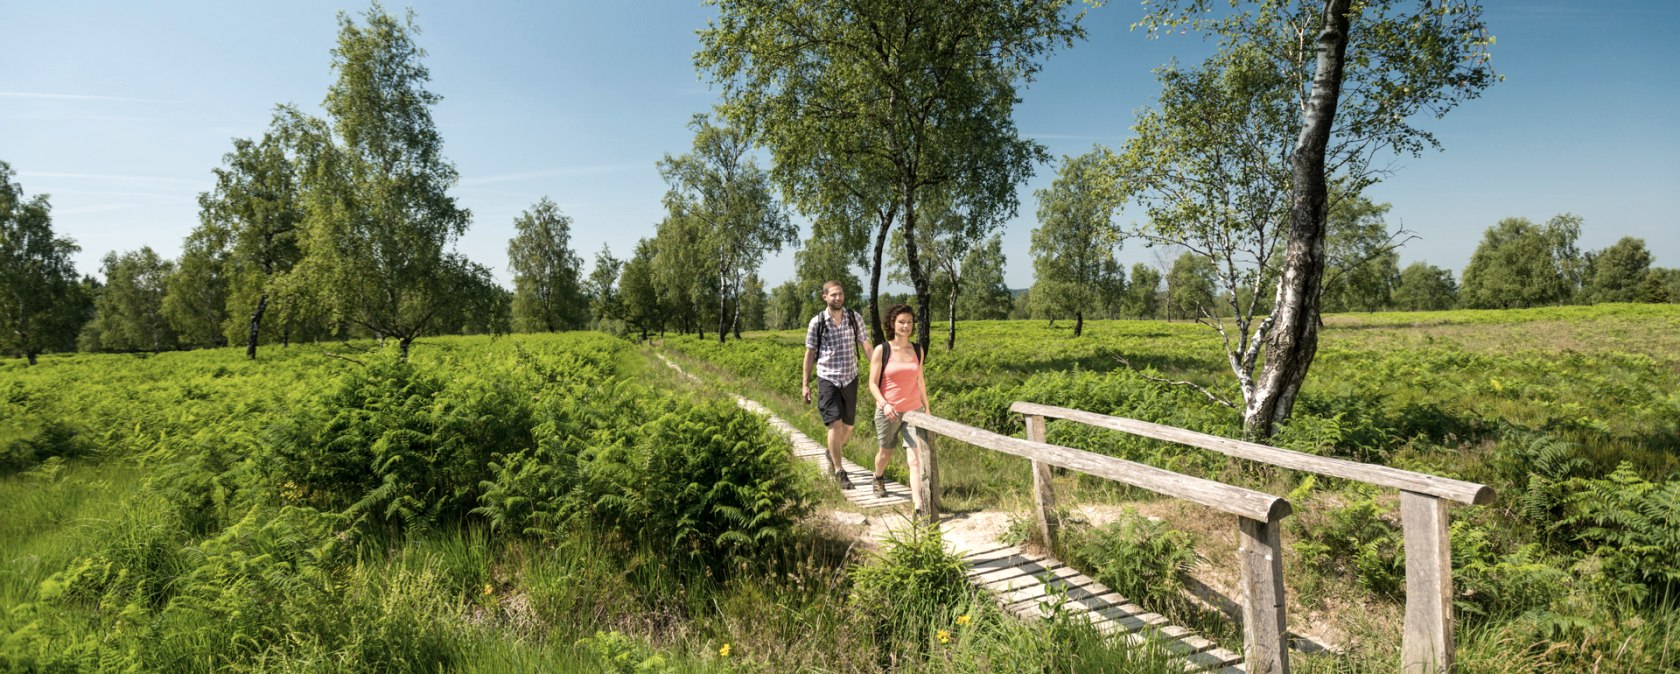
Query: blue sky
[[119, 111]]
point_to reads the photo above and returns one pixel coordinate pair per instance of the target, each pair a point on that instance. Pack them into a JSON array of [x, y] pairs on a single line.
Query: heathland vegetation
[[1569, 413], [419, 474]]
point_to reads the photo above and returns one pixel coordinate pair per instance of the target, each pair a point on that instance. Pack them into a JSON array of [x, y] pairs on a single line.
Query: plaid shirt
[[837, 362]]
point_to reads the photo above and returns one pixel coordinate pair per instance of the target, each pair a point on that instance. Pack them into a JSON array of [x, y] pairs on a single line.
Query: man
[[831, 344]]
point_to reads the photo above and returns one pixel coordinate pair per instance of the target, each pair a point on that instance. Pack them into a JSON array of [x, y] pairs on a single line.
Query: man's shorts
[[837, 403]]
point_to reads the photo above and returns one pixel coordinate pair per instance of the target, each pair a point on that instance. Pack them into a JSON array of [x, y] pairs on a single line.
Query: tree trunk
[[723, 309], [918, 279], [951, 324], [256, 324], [1293, 339], [1078, 323], [30, 354], [875, 277], [402, 345]]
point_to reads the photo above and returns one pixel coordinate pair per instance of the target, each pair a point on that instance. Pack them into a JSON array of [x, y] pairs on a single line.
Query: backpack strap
[[886, 355]]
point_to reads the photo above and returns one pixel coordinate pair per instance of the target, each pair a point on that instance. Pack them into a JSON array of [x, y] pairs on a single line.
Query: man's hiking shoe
[[880, 487], [845, 482]]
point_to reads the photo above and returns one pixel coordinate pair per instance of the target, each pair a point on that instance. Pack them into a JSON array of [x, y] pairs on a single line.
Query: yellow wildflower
[[724, 652], [1496, 385], [944, 636], [489, 590], [962, 619]]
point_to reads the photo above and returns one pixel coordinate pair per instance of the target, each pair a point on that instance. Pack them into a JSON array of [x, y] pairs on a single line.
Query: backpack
[[853, 318], [886, 355]]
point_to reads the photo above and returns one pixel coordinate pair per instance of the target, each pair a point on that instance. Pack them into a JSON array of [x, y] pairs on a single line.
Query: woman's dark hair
[[892, 317]]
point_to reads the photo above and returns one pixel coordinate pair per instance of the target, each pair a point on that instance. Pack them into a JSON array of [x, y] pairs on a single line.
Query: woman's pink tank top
[[901, 384]]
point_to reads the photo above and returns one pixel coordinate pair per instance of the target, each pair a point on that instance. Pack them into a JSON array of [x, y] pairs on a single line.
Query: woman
[[898, 386]]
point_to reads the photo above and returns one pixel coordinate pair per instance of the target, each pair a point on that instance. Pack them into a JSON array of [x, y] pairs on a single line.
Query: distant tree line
[[1518, 264]]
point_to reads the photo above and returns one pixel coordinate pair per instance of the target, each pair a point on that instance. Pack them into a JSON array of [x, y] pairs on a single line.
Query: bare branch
[[1210, 395]]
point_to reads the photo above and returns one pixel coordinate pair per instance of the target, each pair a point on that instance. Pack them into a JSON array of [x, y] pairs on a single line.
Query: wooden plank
[[1044, 491], [1427, 643], [989, 553], [1060, 589], [1261, 577], [991, 548], [1219, 496], [1212, 658], [1064, 577], [1002, 569], [1456, 490]]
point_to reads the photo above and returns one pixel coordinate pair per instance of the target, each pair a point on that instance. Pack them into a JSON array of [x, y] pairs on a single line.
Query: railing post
[[924, 474], [1044, 494], [1265, 641], [1427, 645]]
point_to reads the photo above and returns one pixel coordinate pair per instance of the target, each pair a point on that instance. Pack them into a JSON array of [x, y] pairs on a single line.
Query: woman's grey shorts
[[888, 430]]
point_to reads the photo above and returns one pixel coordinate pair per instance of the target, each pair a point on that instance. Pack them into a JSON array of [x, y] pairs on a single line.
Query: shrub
[[1354, 540], [911, 588], [1632, 526], [1136, 556]]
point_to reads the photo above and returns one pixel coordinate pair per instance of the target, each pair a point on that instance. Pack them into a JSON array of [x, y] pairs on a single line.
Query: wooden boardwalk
[[1033, 585], [1025, 584]]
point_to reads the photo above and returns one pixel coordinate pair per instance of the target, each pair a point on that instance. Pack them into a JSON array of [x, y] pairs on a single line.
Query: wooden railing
[[1258, 514], [1427, 642]]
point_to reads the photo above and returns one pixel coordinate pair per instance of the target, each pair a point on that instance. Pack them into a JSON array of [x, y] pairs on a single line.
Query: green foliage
[[911, 587], [37, 278], [1631, 527], [399, 445], [1618, 273], [257, 199], [26, 441], [547, 284], [1363, 266], [1521, 264], [378, 215], [1138, 557], [195, 296], [616, 653], [129, 308], [1073, 248], [1491, 584], [1190, 288], [846, 164], [731, 203], [1425, 287], [1356, 540], [1142, 298]]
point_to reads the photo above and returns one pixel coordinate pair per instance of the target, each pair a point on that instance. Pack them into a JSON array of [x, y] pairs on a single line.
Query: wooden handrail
[[1427, 641], [1383, 476], [1237, 501], [1259, 515]]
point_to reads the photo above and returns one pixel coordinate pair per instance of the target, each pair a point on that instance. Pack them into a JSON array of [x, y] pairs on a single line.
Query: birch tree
[[547, 285], [380, 218], [1236, 162], [731, 200], [866, 104]]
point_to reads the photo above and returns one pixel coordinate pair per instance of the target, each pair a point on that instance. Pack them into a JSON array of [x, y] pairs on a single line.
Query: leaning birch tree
[[1237, 161]]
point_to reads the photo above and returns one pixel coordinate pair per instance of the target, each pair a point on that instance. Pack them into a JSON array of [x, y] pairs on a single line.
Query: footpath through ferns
[[528, 503]]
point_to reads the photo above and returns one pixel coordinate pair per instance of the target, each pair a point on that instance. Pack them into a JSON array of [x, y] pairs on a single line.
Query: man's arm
[[805, 379]]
